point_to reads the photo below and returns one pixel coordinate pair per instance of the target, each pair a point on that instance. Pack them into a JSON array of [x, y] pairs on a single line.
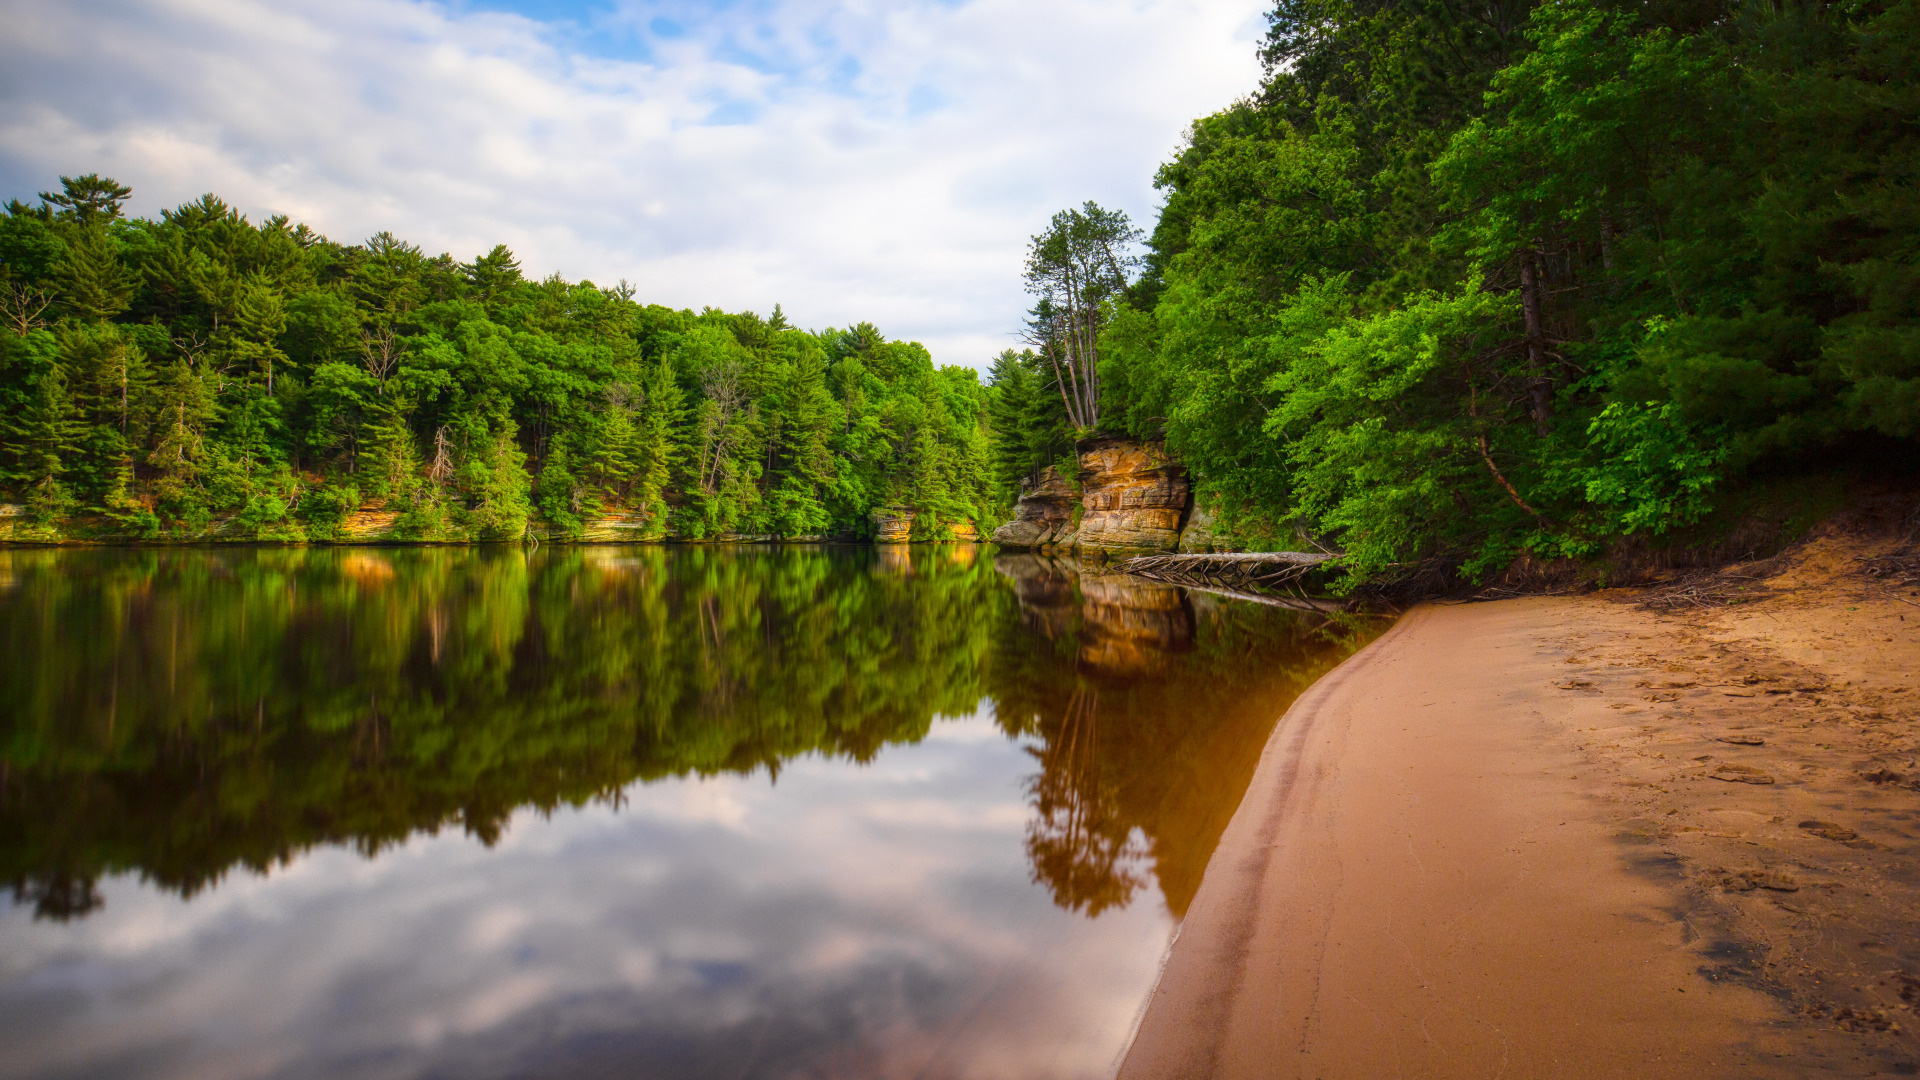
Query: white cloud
[[880, 161]]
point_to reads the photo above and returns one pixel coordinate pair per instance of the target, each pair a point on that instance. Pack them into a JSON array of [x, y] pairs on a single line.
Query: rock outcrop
[[620, 527], [368, 525], [1198, 537], [892, 525], [1133, 500], [1134, 496], [1044, 515]]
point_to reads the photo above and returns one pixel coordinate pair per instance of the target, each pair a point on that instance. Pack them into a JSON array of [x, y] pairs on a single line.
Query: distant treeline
[[1465, 281], [161, 376]]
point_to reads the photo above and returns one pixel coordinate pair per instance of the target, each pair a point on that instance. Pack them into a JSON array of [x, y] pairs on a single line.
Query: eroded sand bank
[[1508, 840]]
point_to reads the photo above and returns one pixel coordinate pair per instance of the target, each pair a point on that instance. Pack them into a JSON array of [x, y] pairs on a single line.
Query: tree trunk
[[1539, 383]]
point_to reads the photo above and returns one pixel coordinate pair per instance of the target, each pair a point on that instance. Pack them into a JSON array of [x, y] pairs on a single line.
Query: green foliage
[[1532, 276], [1654, 472], [203, 376]]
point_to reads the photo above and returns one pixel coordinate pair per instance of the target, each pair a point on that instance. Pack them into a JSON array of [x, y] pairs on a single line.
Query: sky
[[855, 161]]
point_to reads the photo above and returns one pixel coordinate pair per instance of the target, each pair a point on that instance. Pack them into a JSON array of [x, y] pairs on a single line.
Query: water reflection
[[175, 724], [1149, 707]]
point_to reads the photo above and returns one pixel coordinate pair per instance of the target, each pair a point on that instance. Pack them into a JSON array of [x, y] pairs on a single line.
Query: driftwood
[[1291, 603], [1238, 572]]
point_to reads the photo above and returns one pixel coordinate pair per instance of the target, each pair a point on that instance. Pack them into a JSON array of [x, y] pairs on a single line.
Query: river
[[632, 811]]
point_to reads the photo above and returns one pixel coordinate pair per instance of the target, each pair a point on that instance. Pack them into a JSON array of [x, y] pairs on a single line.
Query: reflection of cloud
[[503, 998], [492, 927], [709, 799], [934, 814], [832, 922], [977, 728]]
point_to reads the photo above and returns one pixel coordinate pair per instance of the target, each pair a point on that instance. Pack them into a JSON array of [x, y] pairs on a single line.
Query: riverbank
[[1580, 837]]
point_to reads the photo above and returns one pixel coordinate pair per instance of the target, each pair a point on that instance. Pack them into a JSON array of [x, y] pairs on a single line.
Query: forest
[[1462, 284], [1456, 285], [200, 375]]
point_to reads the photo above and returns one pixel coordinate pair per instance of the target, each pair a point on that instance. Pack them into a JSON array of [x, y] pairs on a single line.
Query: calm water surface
[[622, 811]]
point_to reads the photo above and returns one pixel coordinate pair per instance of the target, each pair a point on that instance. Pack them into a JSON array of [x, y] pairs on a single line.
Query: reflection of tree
[[1150, 709], [1079, 839], [59, 895], [177, 714]]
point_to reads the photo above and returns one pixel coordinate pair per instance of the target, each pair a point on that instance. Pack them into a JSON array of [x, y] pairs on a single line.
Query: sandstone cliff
[[1044, 515], [1132, 499], [1135, 497], [892, 525]]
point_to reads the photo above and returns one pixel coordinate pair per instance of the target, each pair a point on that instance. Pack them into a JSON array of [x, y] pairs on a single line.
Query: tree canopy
[[1459, 283], [164, 378]]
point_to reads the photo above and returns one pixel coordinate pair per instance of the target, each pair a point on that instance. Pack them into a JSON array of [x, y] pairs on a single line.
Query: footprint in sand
[[1830, 830], [1749, 880]]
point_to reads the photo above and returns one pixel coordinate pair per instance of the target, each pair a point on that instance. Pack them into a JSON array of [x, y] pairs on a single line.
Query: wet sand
[[1507, 840]]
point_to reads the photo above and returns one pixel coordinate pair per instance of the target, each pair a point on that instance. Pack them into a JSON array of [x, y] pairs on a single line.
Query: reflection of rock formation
[[1133, 494], [1132, 626], [1044, 515], [1044, 588], [1126, 625], [1149, 707], [368, 569], [895, 558]]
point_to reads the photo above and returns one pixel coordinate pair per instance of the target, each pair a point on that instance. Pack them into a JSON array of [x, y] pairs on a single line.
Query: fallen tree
[[1233, 571]]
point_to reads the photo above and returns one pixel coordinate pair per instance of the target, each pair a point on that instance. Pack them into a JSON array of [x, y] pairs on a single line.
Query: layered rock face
[[892, 525], [1045, 590], [1134, 497], [1044, 515]]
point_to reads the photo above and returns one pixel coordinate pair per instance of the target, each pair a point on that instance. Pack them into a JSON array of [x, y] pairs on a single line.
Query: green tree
[[1074, 268]]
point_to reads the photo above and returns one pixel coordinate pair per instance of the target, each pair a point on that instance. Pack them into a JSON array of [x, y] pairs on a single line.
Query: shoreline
[[206, 542], [1509, 838]]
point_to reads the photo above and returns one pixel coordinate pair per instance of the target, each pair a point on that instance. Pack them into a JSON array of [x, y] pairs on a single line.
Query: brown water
[[633, 811]]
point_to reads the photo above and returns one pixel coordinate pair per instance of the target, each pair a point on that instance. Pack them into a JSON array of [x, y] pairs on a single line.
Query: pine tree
[[40, 441], [183, 408], [659, 441], [90, 200], [93, 284]]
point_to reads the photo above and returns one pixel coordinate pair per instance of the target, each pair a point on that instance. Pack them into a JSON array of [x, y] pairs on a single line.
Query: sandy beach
[[1579, 837]]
